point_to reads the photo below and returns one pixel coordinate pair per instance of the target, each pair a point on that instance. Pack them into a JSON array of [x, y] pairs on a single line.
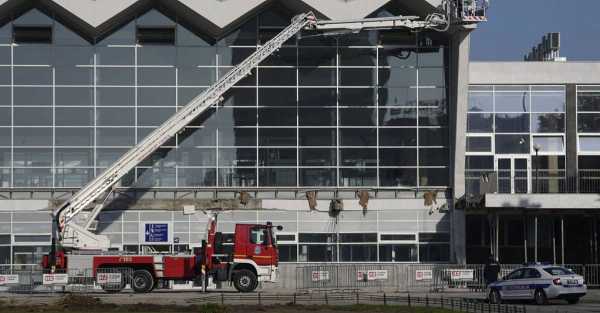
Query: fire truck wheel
[[245, 281], [142, 281]]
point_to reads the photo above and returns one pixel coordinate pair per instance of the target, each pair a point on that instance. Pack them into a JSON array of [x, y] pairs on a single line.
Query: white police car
[[539, 283]]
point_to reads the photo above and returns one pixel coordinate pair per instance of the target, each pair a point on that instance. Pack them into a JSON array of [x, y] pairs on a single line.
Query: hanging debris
[[311, 197], [363, 200], [430, 198], [244, 197], [335, 207]]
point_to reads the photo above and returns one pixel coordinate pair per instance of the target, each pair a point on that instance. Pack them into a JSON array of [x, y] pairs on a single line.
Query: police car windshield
[[557, 271]]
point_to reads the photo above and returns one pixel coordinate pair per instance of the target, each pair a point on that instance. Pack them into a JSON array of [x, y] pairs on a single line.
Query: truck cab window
[[259, 236]]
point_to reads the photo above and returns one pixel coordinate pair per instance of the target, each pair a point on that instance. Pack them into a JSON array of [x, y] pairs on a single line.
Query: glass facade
[[505, 125], [361, 110]]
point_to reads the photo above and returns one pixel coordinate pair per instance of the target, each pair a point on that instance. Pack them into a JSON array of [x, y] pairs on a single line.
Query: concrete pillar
[[458, 96], [571, 138]]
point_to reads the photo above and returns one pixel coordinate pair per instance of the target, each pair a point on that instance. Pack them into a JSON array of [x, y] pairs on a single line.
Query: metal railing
[[531, 181]]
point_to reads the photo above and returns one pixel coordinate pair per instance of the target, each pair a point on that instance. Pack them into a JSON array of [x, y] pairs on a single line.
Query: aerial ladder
[[74, 220]]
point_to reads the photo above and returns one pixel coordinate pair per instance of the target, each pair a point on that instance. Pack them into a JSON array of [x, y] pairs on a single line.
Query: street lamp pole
[[537, 148]]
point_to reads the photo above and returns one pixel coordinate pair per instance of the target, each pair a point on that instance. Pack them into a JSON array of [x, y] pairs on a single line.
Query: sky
[[515, 26]]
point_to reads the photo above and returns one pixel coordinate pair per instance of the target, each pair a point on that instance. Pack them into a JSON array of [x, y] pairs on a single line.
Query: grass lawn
[[85, 304]]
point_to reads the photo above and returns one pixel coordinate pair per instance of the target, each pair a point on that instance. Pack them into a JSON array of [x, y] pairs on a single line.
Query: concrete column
[[457, 113], [571, 138]]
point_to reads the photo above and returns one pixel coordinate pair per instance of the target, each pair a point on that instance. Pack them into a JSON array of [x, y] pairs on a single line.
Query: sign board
[[156, 233], [462, 275], [319, 275], [372, 275], [55, 279], [108, 278], [423, 275], [9, 280]]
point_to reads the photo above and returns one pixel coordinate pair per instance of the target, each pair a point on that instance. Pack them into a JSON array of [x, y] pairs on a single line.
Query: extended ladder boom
[[78, 235]]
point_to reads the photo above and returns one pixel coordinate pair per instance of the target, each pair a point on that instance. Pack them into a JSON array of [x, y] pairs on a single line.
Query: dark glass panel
[[548, 102], [358, 137], [32, 136], [113, 96], [237, 137], [317, 117], [196, 177], [115, 137], [276, 157], [192, 156], [318, 137], [157, 55], [277, 97], [115, 116], [319, 96], [318, 157], [481, 102], [398, 157], [547, 123], [37, 96], [153, 116], [397, 77], [237, 157], [156, 76], [155, 35], [237, 177], [277, 116], [73, 76], [281, 57], [276, 76], [317, 77], [434, 157], [277, 177], [115, 55], [432, 77], [74, 116], [588, 123], [512, 144], [358, 253], [351, 177], [433, 117], [512, 123], [432, 97], [357, 97], [83, 137], [156, 97], [479, 144], [397, 117], [322, 56], [398, 96], [194, 76], [74, 157], [433, 137], [277, 137], [358, 117], [357, 77], [480, 123], [398, 136], [32, 76], [115, 76], [512, 102], [434, 177], [231, 117], [32, 157], [589, 101], [31, 116], [357, 56], [358, 157]]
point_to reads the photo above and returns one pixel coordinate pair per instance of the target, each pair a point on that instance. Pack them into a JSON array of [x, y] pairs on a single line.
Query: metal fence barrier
[[413, 277]]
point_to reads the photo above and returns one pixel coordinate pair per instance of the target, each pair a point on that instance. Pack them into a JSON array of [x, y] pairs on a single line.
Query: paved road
[[590, 303]]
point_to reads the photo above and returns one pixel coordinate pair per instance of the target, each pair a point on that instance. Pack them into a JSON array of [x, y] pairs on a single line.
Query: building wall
[[363, 112]]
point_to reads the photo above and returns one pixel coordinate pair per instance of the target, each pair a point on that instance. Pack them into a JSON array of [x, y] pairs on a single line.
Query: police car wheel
[[540, 297], [494, 297]]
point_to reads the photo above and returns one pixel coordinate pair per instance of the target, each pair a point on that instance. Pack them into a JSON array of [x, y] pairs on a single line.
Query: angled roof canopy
[[95, 19]]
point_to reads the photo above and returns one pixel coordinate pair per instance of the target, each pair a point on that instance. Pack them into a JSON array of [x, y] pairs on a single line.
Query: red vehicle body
[[248, 258]]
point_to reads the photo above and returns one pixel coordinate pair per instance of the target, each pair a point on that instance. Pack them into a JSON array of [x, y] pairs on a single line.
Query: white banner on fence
[[55, 279], [462, 275], [108, 278], [421, 275], [372, 275], [9, 279], [320, 275]]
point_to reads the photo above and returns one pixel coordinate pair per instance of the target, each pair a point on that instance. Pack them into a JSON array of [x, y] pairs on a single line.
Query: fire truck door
[[261, 249]]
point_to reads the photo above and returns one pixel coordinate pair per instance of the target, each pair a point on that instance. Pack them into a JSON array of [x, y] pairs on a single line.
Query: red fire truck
[[245, 260]]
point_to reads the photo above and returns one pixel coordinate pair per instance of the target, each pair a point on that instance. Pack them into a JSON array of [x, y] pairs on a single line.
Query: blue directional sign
[[156, 233]]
